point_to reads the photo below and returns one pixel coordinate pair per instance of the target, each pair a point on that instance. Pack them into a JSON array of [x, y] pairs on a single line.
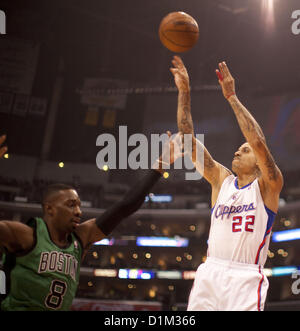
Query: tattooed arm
[[271, 180], [184, 116], [211, 170]]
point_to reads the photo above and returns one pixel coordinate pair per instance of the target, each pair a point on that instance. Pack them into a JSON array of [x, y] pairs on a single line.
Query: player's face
[[67, 210], [244, 160]]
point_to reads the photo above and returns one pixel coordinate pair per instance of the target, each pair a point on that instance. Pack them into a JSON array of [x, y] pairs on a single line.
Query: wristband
[[220, 77], [230, 95]]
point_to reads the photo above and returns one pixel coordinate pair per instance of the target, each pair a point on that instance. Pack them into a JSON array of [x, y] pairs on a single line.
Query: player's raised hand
[[226, 80], [176, 146], [3, 150], [172, 150], [180, 74]]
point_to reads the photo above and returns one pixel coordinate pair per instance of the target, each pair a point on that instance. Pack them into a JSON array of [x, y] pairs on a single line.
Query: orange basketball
[[178, 32]]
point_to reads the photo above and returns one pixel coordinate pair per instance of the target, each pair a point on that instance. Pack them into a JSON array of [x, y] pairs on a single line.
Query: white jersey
[[240, 224]]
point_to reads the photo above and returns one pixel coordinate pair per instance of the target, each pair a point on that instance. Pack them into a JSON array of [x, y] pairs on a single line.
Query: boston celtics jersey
[[47, 277]]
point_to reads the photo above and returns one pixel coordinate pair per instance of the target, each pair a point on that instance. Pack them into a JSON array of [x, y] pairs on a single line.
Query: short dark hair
[[53, 188]]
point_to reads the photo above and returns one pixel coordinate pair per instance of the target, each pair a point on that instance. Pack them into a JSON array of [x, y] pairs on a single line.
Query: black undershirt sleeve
[[131, 202]]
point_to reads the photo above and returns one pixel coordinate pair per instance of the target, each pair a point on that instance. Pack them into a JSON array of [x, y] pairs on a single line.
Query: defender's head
[[244, 161], [61, 205]]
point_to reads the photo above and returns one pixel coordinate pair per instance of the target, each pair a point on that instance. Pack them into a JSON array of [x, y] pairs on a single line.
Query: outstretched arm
[[211, 170], [271, 180], [96, 229]]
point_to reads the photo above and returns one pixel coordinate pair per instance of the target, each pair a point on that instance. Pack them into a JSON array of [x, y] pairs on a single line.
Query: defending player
[[43, 257], [244, 207]]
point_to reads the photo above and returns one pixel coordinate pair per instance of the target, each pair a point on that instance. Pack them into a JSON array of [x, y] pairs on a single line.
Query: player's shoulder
[[224, 173], [19, 236], [269, 195], [19, 226], [228, 177]]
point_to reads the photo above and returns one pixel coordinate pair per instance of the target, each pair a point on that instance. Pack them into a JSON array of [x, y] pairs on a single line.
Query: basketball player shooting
[[42, 257], [244, 205]]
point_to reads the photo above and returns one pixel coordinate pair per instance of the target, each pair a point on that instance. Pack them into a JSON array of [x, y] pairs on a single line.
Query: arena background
[[72, 70]]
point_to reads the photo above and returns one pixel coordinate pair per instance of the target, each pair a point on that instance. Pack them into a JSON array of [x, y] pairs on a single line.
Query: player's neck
[[245, 179], [59, 238]]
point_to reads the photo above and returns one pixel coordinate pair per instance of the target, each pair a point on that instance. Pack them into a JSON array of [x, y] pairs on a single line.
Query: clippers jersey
[[46, 278], [240, 224]]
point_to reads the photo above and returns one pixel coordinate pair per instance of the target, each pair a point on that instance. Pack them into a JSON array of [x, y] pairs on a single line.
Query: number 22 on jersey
[[238, 225]]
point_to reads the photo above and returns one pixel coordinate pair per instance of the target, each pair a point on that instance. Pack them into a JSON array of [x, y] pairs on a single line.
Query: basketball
[[178, 32]]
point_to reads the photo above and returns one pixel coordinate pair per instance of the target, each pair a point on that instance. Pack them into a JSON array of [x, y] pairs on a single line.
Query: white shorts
[[226, 285]]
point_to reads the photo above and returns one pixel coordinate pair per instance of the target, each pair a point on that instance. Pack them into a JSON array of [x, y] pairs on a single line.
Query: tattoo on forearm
[[248, 124], [185, 122], [271, 166]]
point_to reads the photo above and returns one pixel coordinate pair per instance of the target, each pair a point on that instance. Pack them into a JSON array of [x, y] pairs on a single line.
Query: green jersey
[[46, 278]]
